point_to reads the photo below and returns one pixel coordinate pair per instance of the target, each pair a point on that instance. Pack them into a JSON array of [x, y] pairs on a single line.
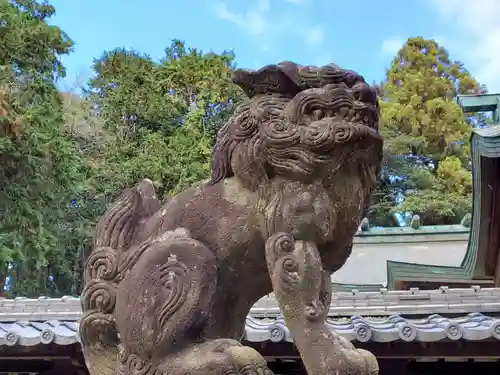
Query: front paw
[[361, 362], [248, 361]]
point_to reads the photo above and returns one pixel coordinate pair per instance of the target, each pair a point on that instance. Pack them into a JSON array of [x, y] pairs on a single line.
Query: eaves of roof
[[472, 327]]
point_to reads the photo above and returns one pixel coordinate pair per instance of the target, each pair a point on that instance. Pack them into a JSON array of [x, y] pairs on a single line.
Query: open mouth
[[356, 115]]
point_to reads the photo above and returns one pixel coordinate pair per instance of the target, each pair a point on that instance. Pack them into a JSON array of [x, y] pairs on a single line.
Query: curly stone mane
[[293, 121]]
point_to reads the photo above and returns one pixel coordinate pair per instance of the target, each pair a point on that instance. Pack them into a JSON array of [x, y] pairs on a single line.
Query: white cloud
[[391, 46], [477, 35], [259, 21], [254, 21], [223, 13]]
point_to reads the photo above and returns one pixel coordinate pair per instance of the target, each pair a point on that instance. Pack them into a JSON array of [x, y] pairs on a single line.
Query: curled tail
[[114, 235]]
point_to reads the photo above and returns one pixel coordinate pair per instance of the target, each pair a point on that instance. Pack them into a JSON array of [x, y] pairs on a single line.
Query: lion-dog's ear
[[271, 79]]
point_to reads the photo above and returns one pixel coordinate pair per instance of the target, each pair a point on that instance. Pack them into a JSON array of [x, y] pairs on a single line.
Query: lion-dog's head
[[301, 125]]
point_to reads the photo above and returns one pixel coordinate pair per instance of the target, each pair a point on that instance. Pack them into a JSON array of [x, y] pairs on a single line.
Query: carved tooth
[[359, 119], [317, 114], [354, 116]]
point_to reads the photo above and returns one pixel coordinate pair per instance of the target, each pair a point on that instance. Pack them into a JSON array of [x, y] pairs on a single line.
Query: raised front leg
[[303, 292]]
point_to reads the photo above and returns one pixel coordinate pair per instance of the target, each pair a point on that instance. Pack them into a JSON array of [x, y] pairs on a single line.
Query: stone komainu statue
[[167, 289]]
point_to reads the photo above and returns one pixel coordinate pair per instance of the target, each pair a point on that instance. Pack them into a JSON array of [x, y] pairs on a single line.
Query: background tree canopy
[[426, 166], [66, 156]]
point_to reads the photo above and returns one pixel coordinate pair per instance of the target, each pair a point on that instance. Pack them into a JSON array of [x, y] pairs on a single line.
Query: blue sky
[[362, 35]]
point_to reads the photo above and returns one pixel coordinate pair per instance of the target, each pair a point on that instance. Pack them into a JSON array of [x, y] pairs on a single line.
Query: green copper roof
[[481, 103], [478, 103]]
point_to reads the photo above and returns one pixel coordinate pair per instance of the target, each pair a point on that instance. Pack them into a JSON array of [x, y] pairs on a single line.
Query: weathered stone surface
[[168, 288]]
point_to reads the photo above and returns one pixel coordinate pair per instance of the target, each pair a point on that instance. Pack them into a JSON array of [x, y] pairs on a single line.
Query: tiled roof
[[25, 321], [474, 327], [376, 303], [29, 333]]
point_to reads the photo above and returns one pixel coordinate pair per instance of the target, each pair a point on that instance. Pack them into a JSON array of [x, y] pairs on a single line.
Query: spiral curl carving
[[318, 137], [243, 127], [279, 135], [99, 295], [251, 370], [343, 134], [97, 327], [102, 264], [280, 244], [287, 268], [281, 259], [131, 364]]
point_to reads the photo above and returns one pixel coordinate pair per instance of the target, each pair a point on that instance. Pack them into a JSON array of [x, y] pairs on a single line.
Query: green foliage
[[443, 197], [133, 92], [28, 44], [420, 120], [125, 90], [173, 163], [420, 116], [41, 168], [182, 99]]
